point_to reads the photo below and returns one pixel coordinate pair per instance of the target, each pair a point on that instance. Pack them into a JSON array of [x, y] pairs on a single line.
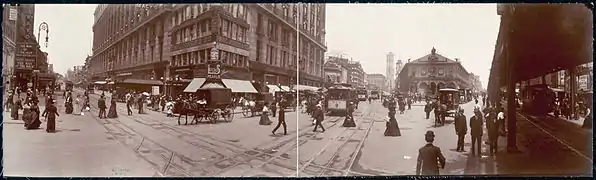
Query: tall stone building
[[131, 44], [172, 43], [390, 71]]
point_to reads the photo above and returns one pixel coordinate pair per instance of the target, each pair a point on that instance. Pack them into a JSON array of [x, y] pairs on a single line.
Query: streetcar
[[450, 98], [537, 99], [362, 95], [338, 98], [68, 86], [374, 94]]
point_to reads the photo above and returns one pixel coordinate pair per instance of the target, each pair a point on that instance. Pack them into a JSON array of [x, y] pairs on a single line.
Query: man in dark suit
[[281, 119], [476, 123], [101, 104], [430, 158], [461, 128]]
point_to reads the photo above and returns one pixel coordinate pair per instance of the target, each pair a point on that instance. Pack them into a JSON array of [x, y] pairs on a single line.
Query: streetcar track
[[237, 150], [368, 112], [237, 153], [271, 159]]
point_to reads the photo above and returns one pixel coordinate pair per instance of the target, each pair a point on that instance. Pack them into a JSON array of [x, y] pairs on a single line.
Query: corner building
[[131, 44], [256, 43]]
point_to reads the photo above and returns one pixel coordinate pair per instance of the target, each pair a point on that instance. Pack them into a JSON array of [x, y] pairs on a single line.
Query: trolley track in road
[[256, 155], [238, 150], [325, 167]]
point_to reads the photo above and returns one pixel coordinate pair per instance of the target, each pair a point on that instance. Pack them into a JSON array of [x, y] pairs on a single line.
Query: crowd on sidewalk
[[31, 110]]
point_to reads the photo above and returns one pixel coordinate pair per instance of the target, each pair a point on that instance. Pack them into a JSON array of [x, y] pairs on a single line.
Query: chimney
[[456, 59]]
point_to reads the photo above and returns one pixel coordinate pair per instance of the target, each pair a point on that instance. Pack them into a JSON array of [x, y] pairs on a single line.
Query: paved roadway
[[364, 150], [238, 148], [81, 147], [152, 144]]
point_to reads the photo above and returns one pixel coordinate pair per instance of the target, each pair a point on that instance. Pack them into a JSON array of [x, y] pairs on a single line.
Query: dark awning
[[142, 82], [194, 85]]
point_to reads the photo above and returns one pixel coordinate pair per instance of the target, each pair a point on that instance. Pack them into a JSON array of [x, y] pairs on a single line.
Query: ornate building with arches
[[431, 72]]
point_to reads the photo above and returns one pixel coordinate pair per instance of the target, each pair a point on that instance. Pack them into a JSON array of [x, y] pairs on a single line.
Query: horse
[[187, 109]]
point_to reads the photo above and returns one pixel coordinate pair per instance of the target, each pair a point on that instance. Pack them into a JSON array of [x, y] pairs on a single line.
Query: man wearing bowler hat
[[430, 157]]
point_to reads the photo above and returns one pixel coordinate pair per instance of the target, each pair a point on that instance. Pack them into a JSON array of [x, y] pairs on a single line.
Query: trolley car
[[375, 95], [68, 85], [338, 97], [537, 99], [362, 96], [450, 98]]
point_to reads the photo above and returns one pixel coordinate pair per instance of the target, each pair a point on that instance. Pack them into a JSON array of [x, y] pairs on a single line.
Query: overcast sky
[[71, 35], [365, 32]]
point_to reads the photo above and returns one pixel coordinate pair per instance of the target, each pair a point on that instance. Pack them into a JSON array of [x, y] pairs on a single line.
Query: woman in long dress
[[112, 113], [50, 113], [27, 113], [265, 117], [14, 112], [34, 117], [77, 106]]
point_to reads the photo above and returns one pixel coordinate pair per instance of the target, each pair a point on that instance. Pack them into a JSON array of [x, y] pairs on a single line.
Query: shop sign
[[25, 56], [214, 70]]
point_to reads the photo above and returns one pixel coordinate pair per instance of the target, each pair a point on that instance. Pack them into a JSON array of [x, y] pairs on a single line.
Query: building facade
[[389, 70], [398, 67], [376, 81], [431, 72], [351, 71], [131, 44], [9, 25], [255, 42]]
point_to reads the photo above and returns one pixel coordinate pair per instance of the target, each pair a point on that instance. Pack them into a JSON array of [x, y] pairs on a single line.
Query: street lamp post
[[43, 26]]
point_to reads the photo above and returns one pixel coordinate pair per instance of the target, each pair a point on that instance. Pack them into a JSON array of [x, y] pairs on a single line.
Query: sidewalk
[[81, 147], [540, 154]]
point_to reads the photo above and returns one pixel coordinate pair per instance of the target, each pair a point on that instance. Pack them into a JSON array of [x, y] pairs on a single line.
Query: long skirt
[[76, 109], [69, 108], [265, 119], [35, 122], [14, 112], [112, 113], [27, 118], [51, 124]]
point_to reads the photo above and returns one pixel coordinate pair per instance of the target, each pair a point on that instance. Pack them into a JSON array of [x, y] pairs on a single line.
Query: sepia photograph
[[297, 90]]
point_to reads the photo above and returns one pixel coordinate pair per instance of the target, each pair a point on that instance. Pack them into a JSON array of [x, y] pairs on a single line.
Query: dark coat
[[101, 103], [429, 159], [476, 124], [461, 127]]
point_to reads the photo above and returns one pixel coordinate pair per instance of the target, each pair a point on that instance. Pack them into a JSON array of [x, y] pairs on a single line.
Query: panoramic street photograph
[[297, 90]]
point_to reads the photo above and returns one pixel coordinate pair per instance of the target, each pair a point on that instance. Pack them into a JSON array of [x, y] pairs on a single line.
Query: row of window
[[196, 31], [287, 59], [189, 12], [202, 56], [118, 20], [234, 31]]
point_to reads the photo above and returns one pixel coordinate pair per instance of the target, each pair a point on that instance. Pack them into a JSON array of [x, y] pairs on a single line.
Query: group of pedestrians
[[430, 158], [101, 104], [31, 110]]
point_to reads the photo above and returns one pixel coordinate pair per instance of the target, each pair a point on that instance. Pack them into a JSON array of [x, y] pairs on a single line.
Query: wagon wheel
[[246, 112], [214, 116], [228, 114]]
